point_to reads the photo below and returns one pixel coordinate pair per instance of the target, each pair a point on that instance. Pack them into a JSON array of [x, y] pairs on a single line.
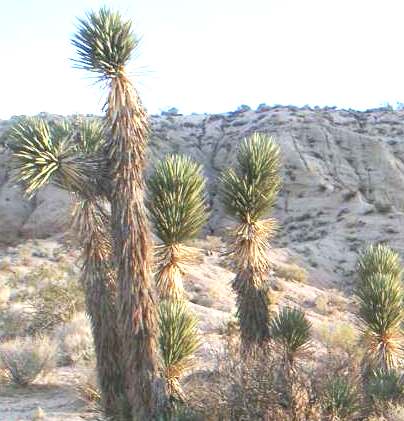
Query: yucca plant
[[341, 399], [249, 191], [177, 206], [385, 386], [378, 258], [380, 297], [291, 333], [72, 159], [179, 339], [105, 43]]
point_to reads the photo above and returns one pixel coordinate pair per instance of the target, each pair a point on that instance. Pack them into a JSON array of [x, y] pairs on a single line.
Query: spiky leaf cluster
[[46, 152], [179, 339], [250, 189], [341, 398], [381, 313], [385, 385], [378, 258], [291, 331], [104, 43], [177, 200]]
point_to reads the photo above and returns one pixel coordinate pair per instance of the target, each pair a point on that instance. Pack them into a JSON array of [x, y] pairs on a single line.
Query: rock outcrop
[[343, 179]]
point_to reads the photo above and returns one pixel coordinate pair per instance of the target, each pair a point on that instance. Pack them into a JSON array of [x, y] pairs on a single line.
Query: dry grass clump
[[4, 295], [25, 359], [14, 319], [75, 340], [291, 272]]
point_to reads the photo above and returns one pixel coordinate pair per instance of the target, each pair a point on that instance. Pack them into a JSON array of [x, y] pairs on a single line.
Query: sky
[[211, 55]]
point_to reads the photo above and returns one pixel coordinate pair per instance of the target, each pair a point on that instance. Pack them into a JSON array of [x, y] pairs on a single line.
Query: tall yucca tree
[[72, 160], [105, 43], [380, 297], [249, 191], [177, 205]]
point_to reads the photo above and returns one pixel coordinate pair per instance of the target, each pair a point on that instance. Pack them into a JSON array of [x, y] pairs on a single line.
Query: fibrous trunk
[[250, 248], [132, 251], [99, 284]]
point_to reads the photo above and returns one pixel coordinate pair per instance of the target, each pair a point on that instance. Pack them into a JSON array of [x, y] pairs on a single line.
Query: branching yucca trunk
[[132, 250], [99, 284]]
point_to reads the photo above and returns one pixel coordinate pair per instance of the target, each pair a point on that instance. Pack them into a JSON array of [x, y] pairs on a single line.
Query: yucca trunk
[[250, 249], [173, 260], [132, 250], [100, 292]]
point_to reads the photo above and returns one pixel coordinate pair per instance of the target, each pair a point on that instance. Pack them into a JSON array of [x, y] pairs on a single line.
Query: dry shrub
[[14, 319], [54, 304], [248, 388], [25, 359], [75, 340], [89, 390], [4, 295], [291, 272], [392, 413]]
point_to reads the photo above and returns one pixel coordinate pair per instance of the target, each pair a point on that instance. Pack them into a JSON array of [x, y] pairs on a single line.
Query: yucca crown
[[104, 43]]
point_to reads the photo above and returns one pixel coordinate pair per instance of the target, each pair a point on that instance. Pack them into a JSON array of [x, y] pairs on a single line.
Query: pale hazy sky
[[210, 55]]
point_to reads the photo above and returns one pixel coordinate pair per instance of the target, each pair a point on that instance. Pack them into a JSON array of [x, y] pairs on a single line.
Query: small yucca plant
[[179, 339], [249, 191], [341, 399], [291, 333], [385, 386], [177, 205], [380, 297]]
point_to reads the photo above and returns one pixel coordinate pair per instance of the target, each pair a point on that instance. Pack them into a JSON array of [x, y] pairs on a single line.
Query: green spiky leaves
[[379, 258], [291, 332], [179, 339], [36, 155], [177, 200], [341, 399], [380, 297], [381, 313], [250, 189], [45, 153], [104, 43]]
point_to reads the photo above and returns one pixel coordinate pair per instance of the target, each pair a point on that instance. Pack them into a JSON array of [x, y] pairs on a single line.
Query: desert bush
[[246, 387], [89, 390], [15, 319], [322, 304], [75, 340], [291, 272], [4, 295], [54, 304], [24, 359], [341, 399], [339, 336]]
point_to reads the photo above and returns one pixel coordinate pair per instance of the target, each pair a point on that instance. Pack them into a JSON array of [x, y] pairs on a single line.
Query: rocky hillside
[[343, 179]]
